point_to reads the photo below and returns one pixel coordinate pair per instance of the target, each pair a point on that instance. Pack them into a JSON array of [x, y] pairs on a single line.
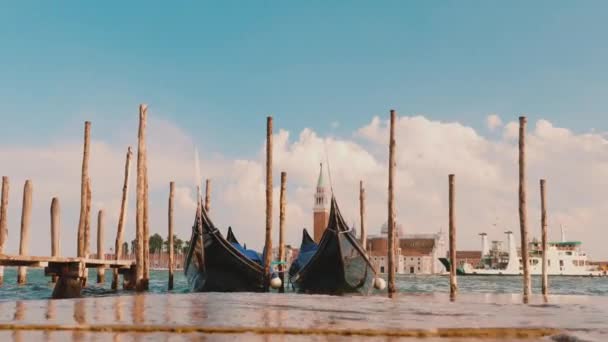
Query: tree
[[177, 244], [125, 249], [186, 247], [156, 243]]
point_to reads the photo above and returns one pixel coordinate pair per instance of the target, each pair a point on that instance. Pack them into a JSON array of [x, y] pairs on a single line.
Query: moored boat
[[337, 265], [223, 265], [564, 258]]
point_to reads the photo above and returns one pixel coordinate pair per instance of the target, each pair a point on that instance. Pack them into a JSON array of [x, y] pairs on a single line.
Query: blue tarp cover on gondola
[[307, 250], [249, 253]]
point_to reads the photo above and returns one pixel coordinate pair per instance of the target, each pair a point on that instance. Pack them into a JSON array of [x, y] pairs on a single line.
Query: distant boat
[[224, 265], [564, 258], [337, 265]]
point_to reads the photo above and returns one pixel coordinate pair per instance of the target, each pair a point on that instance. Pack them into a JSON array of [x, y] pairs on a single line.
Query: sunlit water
[[577, 306], [39, 287]]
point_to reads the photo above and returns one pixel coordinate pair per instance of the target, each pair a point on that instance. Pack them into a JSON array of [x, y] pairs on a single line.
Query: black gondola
[[337, 265], [223, 265]]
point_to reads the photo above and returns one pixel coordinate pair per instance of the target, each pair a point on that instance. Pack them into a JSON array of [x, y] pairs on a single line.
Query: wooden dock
[[51, 262], [71, 273]]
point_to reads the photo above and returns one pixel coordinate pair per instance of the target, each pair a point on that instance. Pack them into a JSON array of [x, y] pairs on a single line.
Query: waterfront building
[[416, 253]]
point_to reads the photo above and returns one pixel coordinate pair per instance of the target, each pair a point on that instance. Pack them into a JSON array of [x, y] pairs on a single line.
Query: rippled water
[[577, 307], [190, 317], [39, 287]]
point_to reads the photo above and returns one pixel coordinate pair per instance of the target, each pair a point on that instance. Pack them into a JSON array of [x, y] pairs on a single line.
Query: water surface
[[577, 307]]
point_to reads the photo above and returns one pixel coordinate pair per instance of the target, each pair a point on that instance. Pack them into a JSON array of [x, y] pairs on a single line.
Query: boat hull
[[470, 271], [221, 268], [337, 268]]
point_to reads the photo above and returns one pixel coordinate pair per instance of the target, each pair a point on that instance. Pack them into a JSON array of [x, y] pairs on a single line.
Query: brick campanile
[[320, 211]]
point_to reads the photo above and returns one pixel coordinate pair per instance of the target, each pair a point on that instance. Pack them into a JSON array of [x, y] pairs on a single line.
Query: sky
[[459, 73]]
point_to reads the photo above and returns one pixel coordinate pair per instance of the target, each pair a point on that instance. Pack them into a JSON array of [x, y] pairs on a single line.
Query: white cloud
[[493, 122], [575, 166], [511, 130]]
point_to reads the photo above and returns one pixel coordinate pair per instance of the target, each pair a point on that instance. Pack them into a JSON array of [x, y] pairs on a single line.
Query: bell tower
[[320, 211]]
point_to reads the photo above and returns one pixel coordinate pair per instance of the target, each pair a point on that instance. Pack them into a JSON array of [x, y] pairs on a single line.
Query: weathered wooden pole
[[452, 225], [543, 223], [55, 231], [171, 195], [26, 215], [362, 215], [122, 218], [3, 221], [87, 228], [139, 218], [87, 224], [391, 207], [101, 271], [207, 195], [523, 214], [268, 240], [83, 188], [146, 225], [283, 203]]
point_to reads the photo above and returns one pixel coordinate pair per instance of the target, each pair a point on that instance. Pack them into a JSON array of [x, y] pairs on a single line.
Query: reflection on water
[[578, 315], [421, 303]]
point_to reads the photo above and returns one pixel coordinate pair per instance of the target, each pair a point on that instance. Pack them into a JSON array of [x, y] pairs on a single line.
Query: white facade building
[[416, 253]]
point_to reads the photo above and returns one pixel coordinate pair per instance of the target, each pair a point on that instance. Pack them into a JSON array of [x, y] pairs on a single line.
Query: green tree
[[186, 247], [155, 243], [125, 249], [178, 244]]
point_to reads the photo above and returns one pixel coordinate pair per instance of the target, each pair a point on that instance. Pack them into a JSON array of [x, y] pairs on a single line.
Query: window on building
[[412, 270], [561, 263], [381, 269], [418, 269]]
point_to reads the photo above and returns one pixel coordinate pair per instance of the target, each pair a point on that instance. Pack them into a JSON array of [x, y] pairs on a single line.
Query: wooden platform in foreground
[[38, 261], [71, 273]]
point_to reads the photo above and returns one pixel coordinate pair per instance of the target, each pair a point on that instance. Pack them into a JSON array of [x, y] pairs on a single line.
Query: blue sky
[[212, 72], [218, 68]]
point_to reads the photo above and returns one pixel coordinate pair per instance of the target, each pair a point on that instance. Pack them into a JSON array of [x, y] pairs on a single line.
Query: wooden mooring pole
[[26, 215], [83, 189], [87, 228], [452, 223], [101, 271], [268, 240], [171, 195], [146, 225], [523, 219], [362, 215], [3, 221], [140, 206], [207, 195], [283, 203], [391, 207], [121, 220], [55, 231], [543, 224], [87, 222]]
